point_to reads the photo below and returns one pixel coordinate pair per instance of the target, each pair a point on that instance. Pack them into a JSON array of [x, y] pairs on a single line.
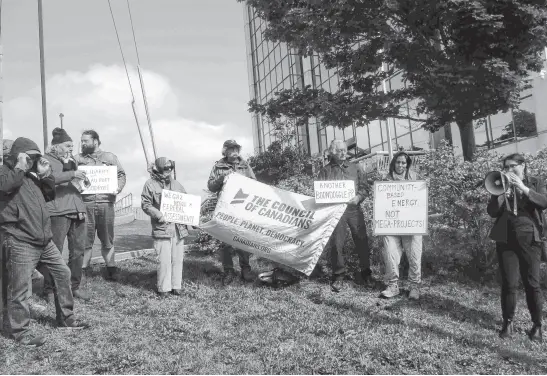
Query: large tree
[[461, 59]]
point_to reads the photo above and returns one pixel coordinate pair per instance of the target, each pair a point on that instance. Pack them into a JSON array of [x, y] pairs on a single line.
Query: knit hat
[[6, 146], [59, 136], [24, 145]]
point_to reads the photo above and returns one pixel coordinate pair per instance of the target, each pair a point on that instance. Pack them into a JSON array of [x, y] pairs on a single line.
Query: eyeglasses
[[167, 168], [508, 167]]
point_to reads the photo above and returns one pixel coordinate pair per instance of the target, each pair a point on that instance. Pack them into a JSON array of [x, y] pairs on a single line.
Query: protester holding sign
[[168, 237], [395, 245], [518, 242], [100, 207], [67, 213], [340, 169], [230, 163]]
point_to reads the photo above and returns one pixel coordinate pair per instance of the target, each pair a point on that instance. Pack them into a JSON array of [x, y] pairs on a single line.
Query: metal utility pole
[[1, 95], [389, 142], [42, 72], [61, 116]]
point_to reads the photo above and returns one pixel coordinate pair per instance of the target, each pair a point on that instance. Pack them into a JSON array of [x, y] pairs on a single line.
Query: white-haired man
[[339, 168], [231, 162]]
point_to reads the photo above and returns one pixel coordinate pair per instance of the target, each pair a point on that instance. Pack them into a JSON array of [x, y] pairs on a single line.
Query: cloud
[[100, 99]]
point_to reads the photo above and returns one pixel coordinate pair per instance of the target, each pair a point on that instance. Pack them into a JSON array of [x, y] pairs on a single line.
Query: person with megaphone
[[516, 202]]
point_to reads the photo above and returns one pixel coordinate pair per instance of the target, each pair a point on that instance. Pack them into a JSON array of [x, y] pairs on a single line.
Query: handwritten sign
[[104, 179], [333, 191], [400, 207], [182, 208]]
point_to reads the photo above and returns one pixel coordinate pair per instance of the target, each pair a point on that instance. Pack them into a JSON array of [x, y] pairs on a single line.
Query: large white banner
[[282, 226], [400, 207], [104, 179]]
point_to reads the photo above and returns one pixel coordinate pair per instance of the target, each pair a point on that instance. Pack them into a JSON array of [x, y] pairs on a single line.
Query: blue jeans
[[100, 221], [62, 226], [22, 260]]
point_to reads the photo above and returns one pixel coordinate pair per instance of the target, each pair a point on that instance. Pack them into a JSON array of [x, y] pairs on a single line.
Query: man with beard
[[25, 186], [67, 212], [100, 207], [231, 163], [168, 237]]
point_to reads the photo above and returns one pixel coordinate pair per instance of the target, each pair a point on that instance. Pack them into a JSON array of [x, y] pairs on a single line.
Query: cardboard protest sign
[[282, 226], [182, 208], [333, 191], [104, 179], [400, 207]]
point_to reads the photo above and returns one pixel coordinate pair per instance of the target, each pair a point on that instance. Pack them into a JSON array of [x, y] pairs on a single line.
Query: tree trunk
[[467, 135]]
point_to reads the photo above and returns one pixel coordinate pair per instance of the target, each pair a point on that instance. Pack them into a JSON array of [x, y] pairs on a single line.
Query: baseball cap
[[231, 144]]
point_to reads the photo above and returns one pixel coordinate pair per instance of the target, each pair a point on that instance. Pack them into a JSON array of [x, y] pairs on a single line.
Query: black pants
[[521, 255], [352, 218]]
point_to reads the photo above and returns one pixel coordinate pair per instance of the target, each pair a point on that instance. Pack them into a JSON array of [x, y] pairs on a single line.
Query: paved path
[[133, 236]]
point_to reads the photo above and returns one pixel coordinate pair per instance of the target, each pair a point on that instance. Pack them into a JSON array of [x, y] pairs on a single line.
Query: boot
[[337, 283], [228, 277], [535, 333], [112, 273], [507, 329], [246, 274]]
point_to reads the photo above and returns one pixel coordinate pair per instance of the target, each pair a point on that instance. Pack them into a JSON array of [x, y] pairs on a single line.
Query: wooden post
[[42, 72]]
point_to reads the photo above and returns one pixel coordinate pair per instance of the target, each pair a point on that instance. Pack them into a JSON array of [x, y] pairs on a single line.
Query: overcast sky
[[193, 56]]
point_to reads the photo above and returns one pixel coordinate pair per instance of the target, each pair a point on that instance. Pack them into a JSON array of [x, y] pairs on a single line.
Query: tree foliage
[[461, 59]]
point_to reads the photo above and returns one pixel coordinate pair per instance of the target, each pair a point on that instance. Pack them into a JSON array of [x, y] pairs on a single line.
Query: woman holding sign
[[168, 237], [395, 245]]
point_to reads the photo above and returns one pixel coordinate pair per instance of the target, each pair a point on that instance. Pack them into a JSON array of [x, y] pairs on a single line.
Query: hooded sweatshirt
[[23, 211], [151, 200]]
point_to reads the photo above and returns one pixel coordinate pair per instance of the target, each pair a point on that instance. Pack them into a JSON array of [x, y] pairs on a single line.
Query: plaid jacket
[[223, 168]]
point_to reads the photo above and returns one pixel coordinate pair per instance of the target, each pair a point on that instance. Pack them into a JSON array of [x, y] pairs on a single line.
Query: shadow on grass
[[379, 318], [133, 242]]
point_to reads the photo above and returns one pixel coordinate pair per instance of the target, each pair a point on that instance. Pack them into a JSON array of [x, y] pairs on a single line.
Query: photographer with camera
[[67, 212], [517, 232], [25, 186]]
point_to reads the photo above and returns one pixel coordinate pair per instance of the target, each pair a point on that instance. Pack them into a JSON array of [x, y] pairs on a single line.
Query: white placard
[[104, 179], [333, 191], [400, 207], [182, 208]]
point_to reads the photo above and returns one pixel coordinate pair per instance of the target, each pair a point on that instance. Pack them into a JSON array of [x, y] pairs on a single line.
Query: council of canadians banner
[[272, 223]]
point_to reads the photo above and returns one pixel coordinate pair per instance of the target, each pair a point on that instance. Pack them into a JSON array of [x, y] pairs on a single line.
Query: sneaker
[[32, 340], [82, 295], [163, 294], [177, 292], [36, 309], [414, 293], [112, 273], [71, 323], [228, 277], [246, 274], [391, 291], [337, 283]]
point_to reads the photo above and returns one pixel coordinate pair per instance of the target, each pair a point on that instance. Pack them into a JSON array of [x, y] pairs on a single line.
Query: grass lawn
[[304, 329]]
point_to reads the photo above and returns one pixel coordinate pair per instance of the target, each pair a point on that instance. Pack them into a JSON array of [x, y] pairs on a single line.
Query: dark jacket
[[535, 202], [23, 211], [151, 204], [102, 158], [67, 198], [223, 168], [346, 171]]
